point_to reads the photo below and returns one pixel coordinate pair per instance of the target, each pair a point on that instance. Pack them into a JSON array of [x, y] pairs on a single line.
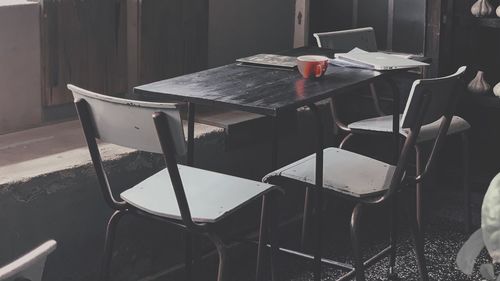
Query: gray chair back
[[440, 93], [30, 266], [345, 40], [146, 126], [430, 100], [129, 123]]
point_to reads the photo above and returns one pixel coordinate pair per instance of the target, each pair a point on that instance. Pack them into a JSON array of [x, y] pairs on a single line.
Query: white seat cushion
[[210, 195], [343, 171], [427, 132]]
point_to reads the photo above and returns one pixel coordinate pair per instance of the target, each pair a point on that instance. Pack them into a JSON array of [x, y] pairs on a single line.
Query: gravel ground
[[444, 237]]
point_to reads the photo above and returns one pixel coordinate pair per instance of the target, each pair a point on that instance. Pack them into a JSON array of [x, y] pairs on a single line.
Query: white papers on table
[[359, 58]]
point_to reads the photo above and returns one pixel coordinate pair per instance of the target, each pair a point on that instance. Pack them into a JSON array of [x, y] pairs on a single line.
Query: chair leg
[[393, 238], [418, 241], [418, 189], [263, 231], [222, 252], [376, 102], [465, 173], [267, 234], [344, 141], [356, 242], [108, 244], [274, 237], [306, 217]]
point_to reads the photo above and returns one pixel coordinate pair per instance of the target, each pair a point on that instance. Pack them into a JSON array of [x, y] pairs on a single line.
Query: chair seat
[[211, 196], [343, 171], [427, 132]]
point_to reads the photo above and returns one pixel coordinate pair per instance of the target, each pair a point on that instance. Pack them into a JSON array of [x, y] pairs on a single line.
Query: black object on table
[[270, 92]]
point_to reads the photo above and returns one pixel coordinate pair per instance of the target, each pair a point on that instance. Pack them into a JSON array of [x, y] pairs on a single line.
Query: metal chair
[[193, 199], [343, 41], [346, 40], [369, 182], [364, 38], [30, 266]]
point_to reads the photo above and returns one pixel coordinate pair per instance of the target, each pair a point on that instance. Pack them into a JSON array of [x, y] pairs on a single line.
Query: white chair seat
[[343, 171], [427, 132], [30, 266], [210, 195]]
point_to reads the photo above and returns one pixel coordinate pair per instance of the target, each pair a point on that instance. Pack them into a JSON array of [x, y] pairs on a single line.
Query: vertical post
[[318, 192], [432, 35], [355, 7], [190, 143], [396, 152], [390, 23], [301, 25], [395, 119], [133, 39], [274, 144]]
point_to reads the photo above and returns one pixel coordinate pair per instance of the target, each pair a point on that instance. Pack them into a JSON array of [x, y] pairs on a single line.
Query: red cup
[[312, 66]]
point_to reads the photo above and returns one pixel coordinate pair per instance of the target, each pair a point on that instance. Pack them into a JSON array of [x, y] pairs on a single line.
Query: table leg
[[274, 145], [190, 141], [194, 241], [318, 190], [396, 139], [395, 119]]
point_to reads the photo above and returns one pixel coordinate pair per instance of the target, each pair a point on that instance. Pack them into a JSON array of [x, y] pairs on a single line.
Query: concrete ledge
[[5, 3], [40, 151]]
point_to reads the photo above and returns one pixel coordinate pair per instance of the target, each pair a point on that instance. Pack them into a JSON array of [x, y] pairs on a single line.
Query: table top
[[258, 90]]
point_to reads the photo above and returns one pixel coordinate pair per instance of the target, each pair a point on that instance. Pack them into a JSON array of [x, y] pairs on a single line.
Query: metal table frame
[[318, 260], [318, 190]]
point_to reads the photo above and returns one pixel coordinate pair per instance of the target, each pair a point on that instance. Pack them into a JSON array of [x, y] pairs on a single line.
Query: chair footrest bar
[[310, 257], [347, 276], [380, 255], [377, 257], [367, 264]]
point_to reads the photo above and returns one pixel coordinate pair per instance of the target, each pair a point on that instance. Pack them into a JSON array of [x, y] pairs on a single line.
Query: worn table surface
[[258, 90]]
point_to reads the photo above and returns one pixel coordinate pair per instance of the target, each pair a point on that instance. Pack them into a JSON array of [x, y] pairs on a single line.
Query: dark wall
[[374, 13], [475, 43], [173, 38], [408, 20], [409, 26], [240, 28], [326, 14]]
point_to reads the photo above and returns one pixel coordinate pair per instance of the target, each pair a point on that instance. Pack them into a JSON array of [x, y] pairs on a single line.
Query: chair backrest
[[146, 126], [30, 266], [430, 100], [129, 123], [440, 93], [345, 40]]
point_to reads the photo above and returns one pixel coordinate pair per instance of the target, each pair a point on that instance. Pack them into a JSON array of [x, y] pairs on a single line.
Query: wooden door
[[84, 43], [109, 46], [173, 38]]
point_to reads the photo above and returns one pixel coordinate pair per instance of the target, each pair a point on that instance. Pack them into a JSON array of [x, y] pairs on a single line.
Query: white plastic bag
[[488, 235]]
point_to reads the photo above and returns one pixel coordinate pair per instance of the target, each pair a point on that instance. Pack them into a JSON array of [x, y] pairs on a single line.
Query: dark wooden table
[[269, 92], [262, 91], [257, 90]]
